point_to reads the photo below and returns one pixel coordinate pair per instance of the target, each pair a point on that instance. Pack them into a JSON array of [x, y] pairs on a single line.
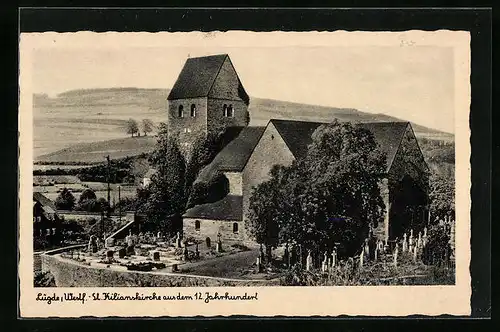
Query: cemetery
[[153, 260]]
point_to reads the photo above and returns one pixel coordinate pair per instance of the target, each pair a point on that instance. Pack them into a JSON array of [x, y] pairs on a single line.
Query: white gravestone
[[396, 256], [334, 257], [309, 262], [405, 244]]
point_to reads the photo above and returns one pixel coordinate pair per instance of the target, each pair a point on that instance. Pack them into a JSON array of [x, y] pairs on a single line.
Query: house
[[247, 159], [207, 97], [46, 221]]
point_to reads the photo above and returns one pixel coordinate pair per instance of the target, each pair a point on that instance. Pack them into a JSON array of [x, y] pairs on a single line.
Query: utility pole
[[119, 205], [107, 178]]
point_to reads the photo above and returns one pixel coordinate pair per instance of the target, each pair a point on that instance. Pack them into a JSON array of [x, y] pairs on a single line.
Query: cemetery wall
[[71, 274]]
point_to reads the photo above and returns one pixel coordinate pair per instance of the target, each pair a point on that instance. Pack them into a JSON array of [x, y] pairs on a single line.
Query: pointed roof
[[47, 204], [298, 135], [198, 76], [234, 156]]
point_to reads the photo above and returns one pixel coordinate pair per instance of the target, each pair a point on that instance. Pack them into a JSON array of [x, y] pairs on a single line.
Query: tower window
[[230, 111], [235, 227], [224, 110], [181, 111], [197, 225], [193, 110]]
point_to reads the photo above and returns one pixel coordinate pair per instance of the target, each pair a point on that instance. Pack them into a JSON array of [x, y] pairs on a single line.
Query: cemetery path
[[230, 266]]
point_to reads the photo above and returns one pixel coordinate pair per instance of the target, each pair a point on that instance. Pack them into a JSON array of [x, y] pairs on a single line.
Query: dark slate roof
[[388, 136], [234, 156], [297, 135], [47, 205], [229, 208]]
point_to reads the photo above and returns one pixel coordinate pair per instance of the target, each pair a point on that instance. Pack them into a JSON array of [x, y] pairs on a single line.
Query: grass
[[97, 151]]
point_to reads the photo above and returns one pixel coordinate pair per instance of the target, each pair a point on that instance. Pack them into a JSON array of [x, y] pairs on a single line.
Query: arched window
[[235, 227], [224, 110], [181, 111], [193, 110], [230, 111], [197, 225]]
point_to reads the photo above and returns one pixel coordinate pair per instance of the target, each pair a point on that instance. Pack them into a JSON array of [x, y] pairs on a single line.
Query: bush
[[44, 279], [437, 251], [65, 200]]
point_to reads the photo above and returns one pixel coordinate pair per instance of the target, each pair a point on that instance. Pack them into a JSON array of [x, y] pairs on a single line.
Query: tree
[[330, 196], [442, 196], [65, 200], [167, 199], [147, 126], [86, 195], [132, 127]]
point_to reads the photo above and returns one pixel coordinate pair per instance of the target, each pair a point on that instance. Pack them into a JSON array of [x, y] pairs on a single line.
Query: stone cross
[[309, 261], [334, 257], [405, 244]]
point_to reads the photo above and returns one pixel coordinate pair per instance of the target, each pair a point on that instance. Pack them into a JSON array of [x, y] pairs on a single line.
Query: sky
[[413, 83]]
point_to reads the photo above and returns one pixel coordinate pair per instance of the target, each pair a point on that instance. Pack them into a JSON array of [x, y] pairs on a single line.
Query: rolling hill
[[85, 125]]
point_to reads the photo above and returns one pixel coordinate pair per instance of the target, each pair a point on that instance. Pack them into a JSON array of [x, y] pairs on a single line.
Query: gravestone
[[197, 252], [156, 255], [110, 242], [395, 257], [261, 253], [286, 256], [420, 240], [376, 254], [208, 242], [361, 259], [259, 265], [130, 250], [309, 261], [367, 249], [129, 240], [405, 244], [425, 231], [178, 240], [122, 252], [410, 241], [110, 254], [334, 258], [324, 265], [415, 252], [218, 246], [92, 248]]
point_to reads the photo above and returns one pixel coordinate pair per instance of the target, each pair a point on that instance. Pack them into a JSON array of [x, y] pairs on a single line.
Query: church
[[208, 96]]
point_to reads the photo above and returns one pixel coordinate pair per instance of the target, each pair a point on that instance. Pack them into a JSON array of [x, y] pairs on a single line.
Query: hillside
[[85, 125]]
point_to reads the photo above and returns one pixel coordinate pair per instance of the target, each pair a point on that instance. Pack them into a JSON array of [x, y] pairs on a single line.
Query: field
[[86, 125], [77, 188]]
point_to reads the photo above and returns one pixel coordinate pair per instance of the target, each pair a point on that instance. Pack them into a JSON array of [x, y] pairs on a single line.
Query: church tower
[[206, 98]]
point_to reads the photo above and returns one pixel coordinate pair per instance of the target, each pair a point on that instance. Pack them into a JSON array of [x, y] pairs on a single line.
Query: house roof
[[298, 135], [234, 156], [48, 206], [197, 78], [229, 208]]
